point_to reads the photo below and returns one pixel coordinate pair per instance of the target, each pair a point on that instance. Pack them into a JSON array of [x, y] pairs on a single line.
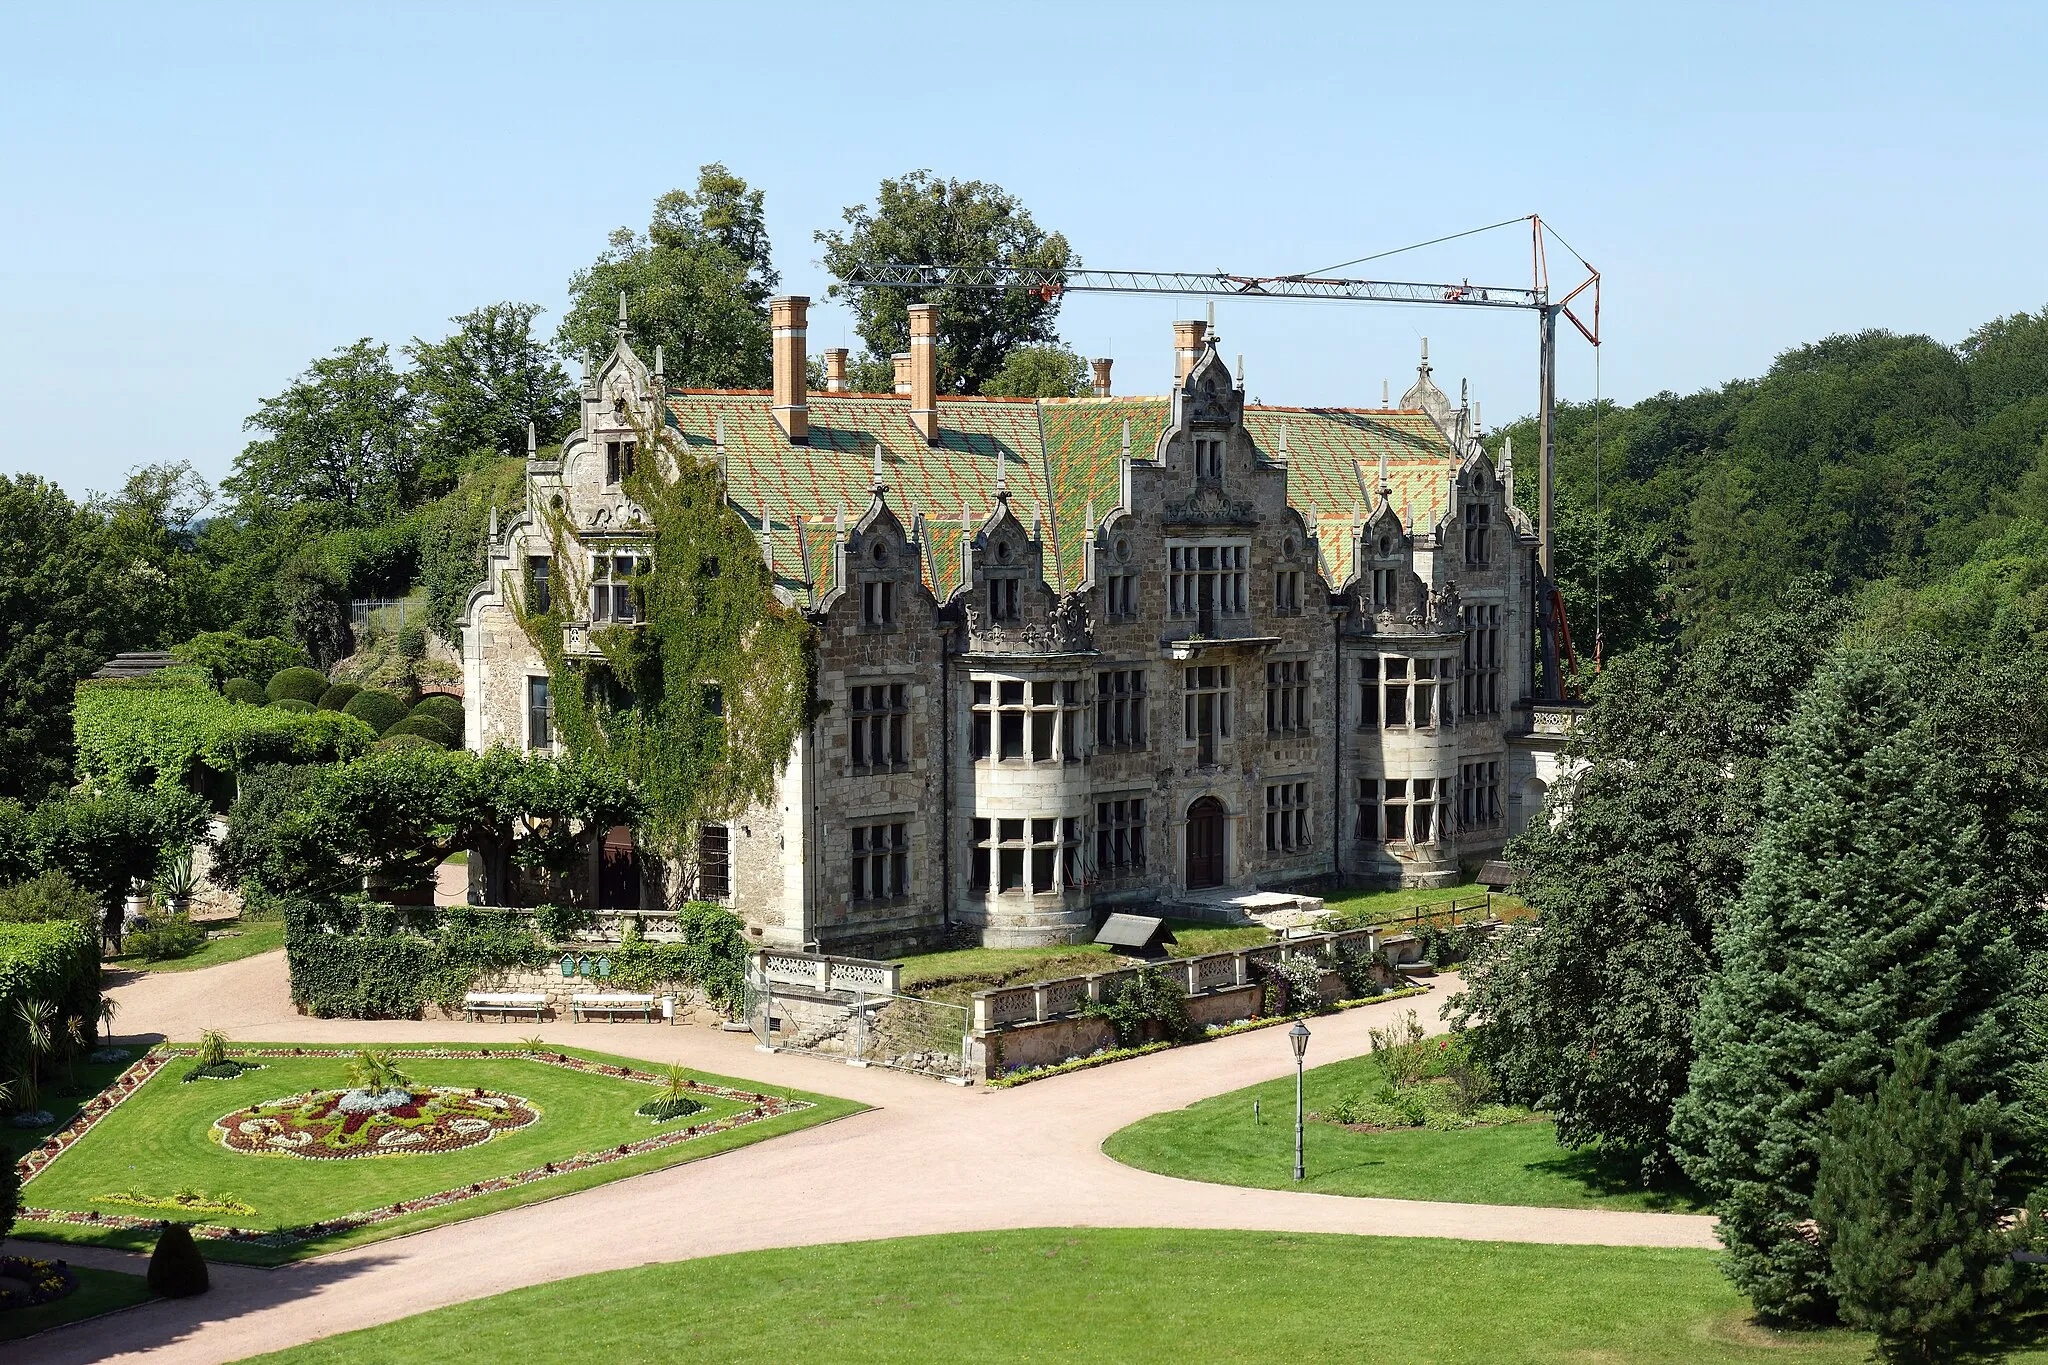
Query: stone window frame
[[1287, 697], [620, 458], [1288, 827], [879, 870], [1220, 686], [1120, 837], [1480, 659], [1034, 855], [878, 603], [1121, 720], [1479, 796], [1044, 714], [1228, 574], [539, 584], [883, 721], [538, 719], [1004, 597], [1478, 518], [714, 863], [1209, 456], [1404, 691], [1120, 595], [1417, 804], [614, 598], [1287, 588]]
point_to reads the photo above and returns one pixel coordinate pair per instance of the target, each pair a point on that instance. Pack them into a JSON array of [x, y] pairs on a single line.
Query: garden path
[[928, 1158]]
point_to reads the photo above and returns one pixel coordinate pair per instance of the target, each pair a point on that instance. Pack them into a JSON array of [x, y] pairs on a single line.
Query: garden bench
[[611, 1006], [504, 1002]]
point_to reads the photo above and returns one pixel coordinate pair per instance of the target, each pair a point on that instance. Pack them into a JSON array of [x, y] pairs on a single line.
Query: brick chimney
[[1101, 368], [901, 362], [835, 369], [787, 318], [924, 370], [1187, 347]]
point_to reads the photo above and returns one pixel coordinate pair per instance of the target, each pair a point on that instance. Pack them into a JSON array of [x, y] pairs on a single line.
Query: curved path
[[928, 1158]]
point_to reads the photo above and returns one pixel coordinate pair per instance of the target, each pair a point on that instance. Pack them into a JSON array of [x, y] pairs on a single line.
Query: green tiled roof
[[1059, 456]]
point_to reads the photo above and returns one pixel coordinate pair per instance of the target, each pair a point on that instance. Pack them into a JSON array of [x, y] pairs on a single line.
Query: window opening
[[1286, 816], [1287, 696], [881, 862], [879, 718]]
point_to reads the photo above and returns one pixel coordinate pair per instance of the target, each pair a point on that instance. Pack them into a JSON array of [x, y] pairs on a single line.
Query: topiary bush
[[49, 897], [426, 727], [304, 684], [176, 1269], [244, 689], [397, 742], [293, 704], [337, 697], [378, 709], [442, 707]]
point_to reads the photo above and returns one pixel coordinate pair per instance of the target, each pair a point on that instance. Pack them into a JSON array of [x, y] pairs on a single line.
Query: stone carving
[[1209, 505], [1067, 629], [1443, 606]]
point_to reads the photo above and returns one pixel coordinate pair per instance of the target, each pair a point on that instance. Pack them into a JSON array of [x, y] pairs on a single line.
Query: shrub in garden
[[211, 1060], [674, 1099], [10, 1197], [292, 704], [337, 697], [226, 655], [379, 709], [426, 727], [399, 742], [176, 936], [51, 896], [444, 708], [50, 971], [412, 642], [1147, 998], [301, 684], [176, 1269], [244, 689]]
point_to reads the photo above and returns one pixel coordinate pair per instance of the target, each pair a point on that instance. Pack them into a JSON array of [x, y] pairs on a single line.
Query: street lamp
[[1297, 1037]]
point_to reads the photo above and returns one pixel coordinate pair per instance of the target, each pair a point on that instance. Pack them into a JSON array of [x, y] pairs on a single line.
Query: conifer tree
[[1875, 910], [1907, 1205]]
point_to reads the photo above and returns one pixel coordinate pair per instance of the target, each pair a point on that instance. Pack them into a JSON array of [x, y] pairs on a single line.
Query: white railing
[[822, 972]]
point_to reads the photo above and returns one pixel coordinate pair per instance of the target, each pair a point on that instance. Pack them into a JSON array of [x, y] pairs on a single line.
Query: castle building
[[1073, 655]]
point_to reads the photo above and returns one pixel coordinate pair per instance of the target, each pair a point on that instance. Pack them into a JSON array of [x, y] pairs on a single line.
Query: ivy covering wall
[[699, 706], [161, 731]]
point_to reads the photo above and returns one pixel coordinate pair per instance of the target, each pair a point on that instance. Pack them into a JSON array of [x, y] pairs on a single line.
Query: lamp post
[[1297, 1037]]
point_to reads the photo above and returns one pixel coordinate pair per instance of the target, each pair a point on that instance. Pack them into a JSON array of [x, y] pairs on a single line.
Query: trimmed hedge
[[338, 696], [397, 743], [378, 709], [245, 690], [57, 961], [154, 731], [444, 708], [426, 727], [299, 684], [176, 1269], [293, 704], [102, 843], [362, 960]]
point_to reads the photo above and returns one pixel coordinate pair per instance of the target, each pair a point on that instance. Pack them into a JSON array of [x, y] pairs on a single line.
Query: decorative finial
[[966, 518], [1002, 481], [1127, 438], [1386, 395], [718, 434], [622, 312], [880, 487], [768, 537], [1425, 355], [660, 370], [1385, 487], [1478, 422], [1090, 516], [1283, 440], [839, 523], [494, 523], [1240, 369], [532, 441]]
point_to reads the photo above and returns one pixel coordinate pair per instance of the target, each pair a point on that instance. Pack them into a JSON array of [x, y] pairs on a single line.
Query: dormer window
[[877, 603], [618, 460], [1478, 523], [1209, 458], [1002, 599]]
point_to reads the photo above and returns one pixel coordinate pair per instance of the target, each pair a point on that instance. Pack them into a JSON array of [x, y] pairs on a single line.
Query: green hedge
[[366, 960], [378, 709], [426, 727], [226, 654], [155, 731], [297, 684], [57, 961], [446, 709], [338, 696], [293, 704], [397, 741], [245, 690], [102, 843]]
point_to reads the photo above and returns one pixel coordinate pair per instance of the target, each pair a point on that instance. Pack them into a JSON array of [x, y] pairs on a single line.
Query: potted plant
[[176, 883]]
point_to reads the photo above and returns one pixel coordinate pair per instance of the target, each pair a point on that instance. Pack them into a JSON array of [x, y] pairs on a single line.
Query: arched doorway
[[1205, 843], [618, 873]]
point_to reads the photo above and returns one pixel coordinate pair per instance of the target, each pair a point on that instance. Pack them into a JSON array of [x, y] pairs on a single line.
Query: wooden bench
[[612, 1006], [504, 1002]]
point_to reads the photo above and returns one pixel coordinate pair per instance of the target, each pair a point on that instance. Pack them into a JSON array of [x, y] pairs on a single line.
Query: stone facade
[[1060, 674]]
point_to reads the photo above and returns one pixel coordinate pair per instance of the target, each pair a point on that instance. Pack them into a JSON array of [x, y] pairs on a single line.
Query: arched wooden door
[[1205, 843]]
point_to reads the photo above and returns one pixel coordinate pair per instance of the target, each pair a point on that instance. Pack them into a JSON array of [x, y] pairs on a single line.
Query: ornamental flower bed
[[760, 1107], [324, 1126], [26, 1282]]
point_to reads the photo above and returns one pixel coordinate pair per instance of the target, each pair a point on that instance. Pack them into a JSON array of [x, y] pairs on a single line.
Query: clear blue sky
[[200, 199]]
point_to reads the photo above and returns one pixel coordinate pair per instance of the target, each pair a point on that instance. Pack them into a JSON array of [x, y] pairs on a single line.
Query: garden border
[[765, 1107]]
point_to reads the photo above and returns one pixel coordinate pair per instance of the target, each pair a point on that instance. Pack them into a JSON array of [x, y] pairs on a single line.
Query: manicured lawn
[[257, 936], [99, 1291], [1516, 1163], [1379, 906], [1120, 1295], [62, 1096], [160, 1141], [957, 974]]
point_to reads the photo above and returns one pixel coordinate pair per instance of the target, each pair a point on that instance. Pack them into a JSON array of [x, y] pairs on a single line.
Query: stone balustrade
[[823, 972]]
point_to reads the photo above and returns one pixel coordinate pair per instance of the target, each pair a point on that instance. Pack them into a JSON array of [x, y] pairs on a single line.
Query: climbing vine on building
[[700, 704]]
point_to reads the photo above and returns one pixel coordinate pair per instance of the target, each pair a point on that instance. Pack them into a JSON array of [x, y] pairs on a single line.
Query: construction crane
[[1051, 282]]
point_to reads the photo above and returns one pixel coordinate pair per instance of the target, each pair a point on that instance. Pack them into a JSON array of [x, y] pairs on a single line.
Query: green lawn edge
[[824, 1109], [1214, 1141], [1120, 1294], [253, 940], [99, 1293]]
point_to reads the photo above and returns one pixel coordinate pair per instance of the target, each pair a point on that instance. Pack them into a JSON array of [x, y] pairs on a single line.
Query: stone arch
[[1207, 854], [1527, 800]]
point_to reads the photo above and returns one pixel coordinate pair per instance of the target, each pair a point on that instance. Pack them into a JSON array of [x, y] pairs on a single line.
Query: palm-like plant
[[38, 1021], [373, 1071], [213, 1048], [675, 1083]]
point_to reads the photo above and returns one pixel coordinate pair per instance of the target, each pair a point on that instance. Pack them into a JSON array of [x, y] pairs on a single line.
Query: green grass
[[1516, 1163], [958, 973], [159, 1141], [1120, 1295], [99, 1291], [257, 936], [63, 1097], [1375, 907]]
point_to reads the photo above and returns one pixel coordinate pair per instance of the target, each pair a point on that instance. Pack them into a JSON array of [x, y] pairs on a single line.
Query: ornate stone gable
[[1209, 505]]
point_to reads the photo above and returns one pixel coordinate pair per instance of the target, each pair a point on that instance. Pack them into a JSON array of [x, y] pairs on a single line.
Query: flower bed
[[323, 1126], [26, 1281]]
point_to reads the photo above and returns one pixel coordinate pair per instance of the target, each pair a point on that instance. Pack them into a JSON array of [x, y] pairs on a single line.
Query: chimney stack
[[901, 362], [1187, 347], [787, 318], [1101, 385], [924, 370], [835, 369]]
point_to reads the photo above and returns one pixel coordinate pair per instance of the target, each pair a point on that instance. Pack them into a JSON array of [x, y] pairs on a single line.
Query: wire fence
[[385, 615]]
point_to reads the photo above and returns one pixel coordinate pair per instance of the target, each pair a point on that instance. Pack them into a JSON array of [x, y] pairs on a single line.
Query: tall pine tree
[[1880, 907]]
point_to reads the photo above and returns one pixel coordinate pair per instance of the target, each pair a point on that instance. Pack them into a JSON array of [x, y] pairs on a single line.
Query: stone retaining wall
[[690, 1008]]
